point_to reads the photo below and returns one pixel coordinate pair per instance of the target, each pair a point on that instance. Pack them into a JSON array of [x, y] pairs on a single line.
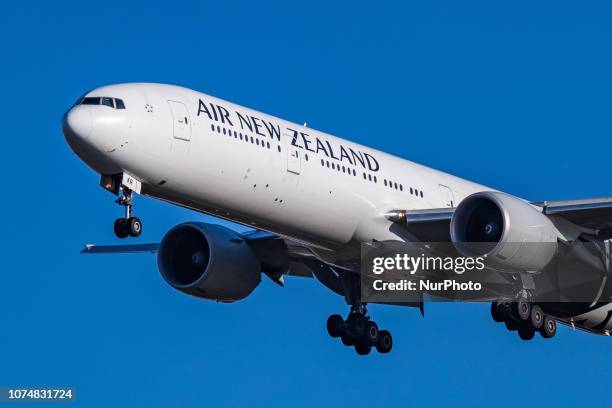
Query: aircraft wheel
[[549, 328], [497, 313], [522, 309], [119, 228], [511, 324], [526, 331], [134, 226], [356, 325], [371, 332], [537, 317], [347, 340], [334, 325], [362, 349], [385, 342]]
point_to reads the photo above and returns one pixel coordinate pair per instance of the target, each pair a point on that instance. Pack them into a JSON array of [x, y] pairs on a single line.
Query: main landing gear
[[524, 317], [359, 331], [128, 225]]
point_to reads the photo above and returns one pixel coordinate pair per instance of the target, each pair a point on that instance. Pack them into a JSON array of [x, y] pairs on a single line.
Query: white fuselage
[[217, 157]]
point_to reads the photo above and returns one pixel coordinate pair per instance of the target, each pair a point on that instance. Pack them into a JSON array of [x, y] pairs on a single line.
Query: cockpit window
[[108, 102], [114, 103], [90, 101]]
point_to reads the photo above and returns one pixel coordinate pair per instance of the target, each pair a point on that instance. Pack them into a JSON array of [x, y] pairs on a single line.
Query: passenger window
[[119, 103], [108, 102]]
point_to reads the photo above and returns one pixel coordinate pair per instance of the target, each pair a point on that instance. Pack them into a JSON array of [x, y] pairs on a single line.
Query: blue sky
[[516, 96]]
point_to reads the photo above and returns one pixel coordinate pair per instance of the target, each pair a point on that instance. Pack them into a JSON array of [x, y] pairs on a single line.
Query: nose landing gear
[[128, 225]]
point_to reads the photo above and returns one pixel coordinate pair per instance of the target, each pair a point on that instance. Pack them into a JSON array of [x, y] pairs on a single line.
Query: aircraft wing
[[432, 225], [592, 213], [154, 247], [260, 240], [120, 249]]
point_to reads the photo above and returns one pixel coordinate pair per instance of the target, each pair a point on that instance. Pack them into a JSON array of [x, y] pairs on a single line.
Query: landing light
[[110, 183]]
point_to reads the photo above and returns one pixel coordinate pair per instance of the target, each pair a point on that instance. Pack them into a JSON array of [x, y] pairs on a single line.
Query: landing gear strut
[[128, 225], [525, 317], [358, 330]]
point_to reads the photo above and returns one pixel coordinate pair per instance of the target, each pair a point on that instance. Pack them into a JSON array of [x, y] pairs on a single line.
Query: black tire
[[334, 325], [347, 340], [511, 324], [362, 349], [497, 312], [371, 333], [120, 229], [526, 331], [356, 325], [134, 226], [537, 317], [522, 309], [549, 328], [385, 342]]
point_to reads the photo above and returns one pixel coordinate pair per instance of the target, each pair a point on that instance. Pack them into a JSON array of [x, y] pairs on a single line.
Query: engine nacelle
[[512, 234], [208, 261]]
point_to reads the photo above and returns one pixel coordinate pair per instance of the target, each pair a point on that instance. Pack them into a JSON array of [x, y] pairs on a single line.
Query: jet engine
[[512, 234], [208, 261]]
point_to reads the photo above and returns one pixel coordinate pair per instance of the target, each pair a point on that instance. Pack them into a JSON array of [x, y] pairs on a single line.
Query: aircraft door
[[447, 196], [181, 123], [294, 157]]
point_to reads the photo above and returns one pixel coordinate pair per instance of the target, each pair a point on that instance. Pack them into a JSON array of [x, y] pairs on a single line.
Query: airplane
[[311, 200]]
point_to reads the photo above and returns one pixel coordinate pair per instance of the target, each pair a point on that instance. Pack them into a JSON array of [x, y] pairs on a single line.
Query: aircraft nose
[[77, 124]]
